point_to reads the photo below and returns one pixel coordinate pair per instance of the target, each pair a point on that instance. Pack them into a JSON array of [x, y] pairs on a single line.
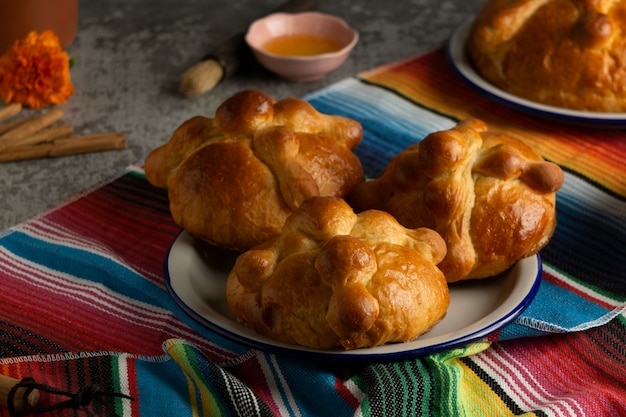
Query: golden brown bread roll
[[488, 195], [565, 53], [235, 178], [333, 278]]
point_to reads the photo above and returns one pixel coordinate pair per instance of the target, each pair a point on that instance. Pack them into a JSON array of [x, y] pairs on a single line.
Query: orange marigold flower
[[35, 71]]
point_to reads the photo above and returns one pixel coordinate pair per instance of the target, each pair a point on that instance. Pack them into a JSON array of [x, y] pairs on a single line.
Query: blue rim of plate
[[405, 350], [460, 62]]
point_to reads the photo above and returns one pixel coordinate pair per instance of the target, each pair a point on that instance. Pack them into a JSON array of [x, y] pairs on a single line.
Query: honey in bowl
[[301, 45]]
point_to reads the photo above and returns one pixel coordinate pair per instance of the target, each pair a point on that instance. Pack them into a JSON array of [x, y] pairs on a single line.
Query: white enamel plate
[[196, 279]]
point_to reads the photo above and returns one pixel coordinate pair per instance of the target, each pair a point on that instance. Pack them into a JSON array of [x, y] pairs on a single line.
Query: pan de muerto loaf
[[490, 197], [333, 278], [235, 178], [565, 53]]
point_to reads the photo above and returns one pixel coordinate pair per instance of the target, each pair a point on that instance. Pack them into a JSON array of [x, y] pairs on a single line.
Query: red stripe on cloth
[[133, 386], [520, 383], [564, 372], [346, 394]]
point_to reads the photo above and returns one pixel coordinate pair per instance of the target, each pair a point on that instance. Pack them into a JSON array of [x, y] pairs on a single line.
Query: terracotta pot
[[18, 17]]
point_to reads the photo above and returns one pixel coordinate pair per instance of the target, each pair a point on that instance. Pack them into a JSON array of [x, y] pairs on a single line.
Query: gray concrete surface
[[131, 54]]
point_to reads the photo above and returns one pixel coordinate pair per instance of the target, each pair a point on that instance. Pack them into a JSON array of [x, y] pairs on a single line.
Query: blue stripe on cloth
[[84, 264], [110, 274], [162, 387], [557, 310], [284, 395], [390, 122]]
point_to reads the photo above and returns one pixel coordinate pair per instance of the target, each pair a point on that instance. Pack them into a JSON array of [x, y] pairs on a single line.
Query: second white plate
[[463, 66], [196, 279]]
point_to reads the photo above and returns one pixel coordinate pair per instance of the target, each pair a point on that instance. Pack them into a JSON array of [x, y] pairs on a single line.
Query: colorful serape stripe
[[82, 296]]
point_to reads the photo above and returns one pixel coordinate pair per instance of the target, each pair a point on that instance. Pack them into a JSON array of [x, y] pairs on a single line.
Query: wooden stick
[[88, 143], [63, 147], [5, 127], [9, 111], [30, 127], [48, 134], [20, 400]]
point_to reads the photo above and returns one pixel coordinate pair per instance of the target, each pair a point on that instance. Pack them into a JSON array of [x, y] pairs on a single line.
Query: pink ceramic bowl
[[301, 67]]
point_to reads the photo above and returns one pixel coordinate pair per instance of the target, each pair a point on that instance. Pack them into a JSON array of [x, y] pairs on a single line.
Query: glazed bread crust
[[234, 179], [490, 197], [564, 53], [336, 279]]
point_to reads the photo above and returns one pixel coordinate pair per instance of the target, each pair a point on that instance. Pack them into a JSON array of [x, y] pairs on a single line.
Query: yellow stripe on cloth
[[461, 391], [203, 401], [478, 398]]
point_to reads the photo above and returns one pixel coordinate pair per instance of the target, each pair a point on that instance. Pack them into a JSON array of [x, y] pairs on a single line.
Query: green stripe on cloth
[[435, 385]]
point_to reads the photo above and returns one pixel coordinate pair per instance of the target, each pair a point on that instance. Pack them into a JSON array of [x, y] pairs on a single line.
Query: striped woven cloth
[[83, 299]]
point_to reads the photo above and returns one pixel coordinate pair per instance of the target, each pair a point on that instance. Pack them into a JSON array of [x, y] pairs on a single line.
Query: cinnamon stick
[[26, 129], [9, 111], [88, 143], [5, 127], [48, 134], [68, 146]]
